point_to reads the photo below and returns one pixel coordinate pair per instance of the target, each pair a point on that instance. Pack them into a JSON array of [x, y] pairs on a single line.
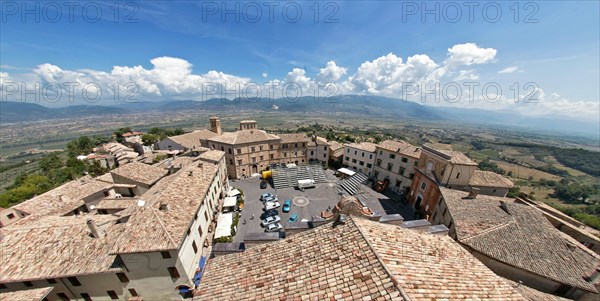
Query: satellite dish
[[141, 203], [92, 207]]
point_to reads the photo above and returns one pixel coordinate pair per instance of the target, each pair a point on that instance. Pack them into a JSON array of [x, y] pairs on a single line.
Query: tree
[[149, 139]]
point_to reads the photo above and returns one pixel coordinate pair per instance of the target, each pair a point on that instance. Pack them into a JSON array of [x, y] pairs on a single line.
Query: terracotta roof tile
[[489, 179], [140, 172], [517, 235], [193, 140], [245, 136], [360, 260], [366, 146], [34, 294]]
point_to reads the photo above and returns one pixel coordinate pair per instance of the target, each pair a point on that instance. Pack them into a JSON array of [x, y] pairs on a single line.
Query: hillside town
[[254, 215]]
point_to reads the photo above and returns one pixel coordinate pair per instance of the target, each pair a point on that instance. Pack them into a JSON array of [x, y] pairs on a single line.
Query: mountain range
[[372, 106]]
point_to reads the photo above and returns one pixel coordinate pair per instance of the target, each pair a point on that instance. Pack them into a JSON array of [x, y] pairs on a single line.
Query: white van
[[305, 184]]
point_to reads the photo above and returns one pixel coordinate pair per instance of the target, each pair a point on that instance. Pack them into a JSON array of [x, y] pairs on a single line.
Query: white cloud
[[173, 78], [509, 69], [469, 54], [331, 73]]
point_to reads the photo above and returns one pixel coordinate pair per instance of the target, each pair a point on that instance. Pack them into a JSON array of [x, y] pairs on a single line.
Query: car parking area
[[306, 204]]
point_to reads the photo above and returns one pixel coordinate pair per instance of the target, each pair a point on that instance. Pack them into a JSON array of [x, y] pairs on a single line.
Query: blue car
[[293, 218], [287, 206]]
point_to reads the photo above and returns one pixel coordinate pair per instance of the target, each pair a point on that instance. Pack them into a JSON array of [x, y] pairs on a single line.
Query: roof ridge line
[[162, 225], [380, 260], [492, 229]]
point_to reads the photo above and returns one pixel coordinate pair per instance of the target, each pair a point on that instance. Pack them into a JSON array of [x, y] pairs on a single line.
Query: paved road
[[320, 198]]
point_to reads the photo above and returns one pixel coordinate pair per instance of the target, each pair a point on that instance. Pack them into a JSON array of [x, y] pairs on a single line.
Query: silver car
[[270, 220], [271, 205], [273, 227]]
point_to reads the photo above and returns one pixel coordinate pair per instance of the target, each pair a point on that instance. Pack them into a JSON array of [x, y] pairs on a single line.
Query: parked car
[[263, 184], [273, 227], [287, 205], [270, 199], [271, 205], [266, 195], [293, 218], [268, 213], [270, 220]]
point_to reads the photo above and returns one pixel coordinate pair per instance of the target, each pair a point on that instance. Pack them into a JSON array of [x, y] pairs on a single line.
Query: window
[[10, 216], [361, 163], [416, 163], [324, 155], [296, 145], [230, 161], [458, 175], [229, 150], [200, 230], [348, 150], [189, 231], [271, 156], [253, 149], [262, 158], [369, 165], [51, 281], [392, 156], [238, 151], [260, 148], [222, 149], [74, 281], [173, 272], [195, 247], [205, 215], [353, 160], [390, 166], [86, 297], [28, 283], [324, 148], [355, 152], [423, 185], [363, 154], [404, 160], [411, 176], [112, 295], [398, 182], [312, 153], [133, 292], [285, 155], [63, 297], [239, 162], [122, 277], [401, 171], [253, 159], [165, 254], [371, 156]]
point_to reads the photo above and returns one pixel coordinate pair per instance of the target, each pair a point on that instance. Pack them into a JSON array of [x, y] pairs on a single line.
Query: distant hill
[[360, 105], [14, 112]]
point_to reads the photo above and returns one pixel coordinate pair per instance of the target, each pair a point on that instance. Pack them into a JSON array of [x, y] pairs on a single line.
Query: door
[[418, 202]]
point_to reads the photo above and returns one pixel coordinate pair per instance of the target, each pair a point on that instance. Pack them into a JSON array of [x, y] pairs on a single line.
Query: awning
[[198, 275], [346, 171], [234, 192], [230, 201], [224, 223]]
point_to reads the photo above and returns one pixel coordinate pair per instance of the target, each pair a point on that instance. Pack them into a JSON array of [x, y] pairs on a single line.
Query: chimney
[[473, 193], [504, 207], [95, 231], [215, 125]]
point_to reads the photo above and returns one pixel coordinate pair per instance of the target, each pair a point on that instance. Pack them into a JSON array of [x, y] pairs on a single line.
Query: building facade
[[360, 157], [148, 246]]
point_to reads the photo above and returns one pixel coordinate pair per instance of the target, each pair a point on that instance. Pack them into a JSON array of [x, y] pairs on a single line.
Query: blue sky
[[560, 52]]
